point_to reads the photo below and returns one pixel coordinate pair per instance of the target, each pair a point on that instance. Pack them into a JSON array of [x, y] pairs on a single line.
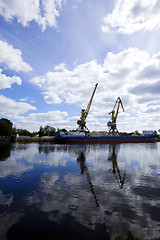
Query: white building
[[147, 132]]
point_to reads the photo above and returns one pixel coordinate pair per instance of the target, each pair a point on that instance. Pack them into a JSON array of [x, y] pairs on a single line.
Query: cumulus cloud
[[51, 115], [143, 89], [43, 12], [69, 86], [51, 10], [6, 81], [131, 74], [32, 122], [12, 109], [12, 58], [26, 99], [116, 76], [128, 16]]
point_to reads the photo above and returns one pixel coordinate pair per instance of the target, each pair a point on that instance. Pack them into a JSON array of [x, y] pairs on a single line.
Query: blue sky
[[53, 52]]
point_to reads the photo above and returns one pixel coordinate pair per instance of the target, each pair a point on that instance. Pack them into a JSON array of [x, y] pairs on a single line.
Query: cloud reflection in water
[[100, 188]]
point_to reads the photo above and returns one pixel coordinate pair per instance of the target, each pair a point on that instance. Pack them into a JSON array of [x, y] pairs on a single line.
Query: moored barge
[[108, 139]]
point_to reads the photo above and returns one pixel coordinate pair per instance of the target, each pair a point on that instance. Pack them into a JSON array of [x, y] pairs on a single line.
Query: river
[[51, 191]]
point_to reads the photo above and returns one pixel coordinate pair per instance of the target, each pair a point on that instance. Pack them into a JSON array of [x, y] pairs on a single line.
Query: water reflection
[[47, 148], [113, 151], [84, 170], [5, 149], [70, 191]]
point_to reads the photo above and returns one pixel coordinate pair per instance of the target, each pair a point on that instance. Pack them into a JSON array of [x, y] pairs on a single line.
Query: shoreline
[[36, 139]]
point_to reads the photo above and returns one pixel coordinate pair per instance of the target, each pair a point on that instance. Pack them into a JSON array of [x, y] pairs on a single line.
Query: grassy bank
[[34, 139]]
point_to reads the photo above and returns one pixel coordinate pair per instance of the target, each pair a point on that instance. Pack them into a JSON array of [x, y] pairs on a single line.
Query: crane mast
[[112, 124], [84, 113]]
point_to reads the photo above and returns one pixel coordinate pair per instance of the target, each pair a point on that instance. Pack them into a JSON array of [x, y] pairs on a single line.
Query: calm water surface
[[52, 191]]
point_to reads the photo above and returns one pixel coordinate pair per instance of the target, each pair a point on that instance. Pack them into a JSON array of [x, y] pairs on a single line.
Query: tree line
[[7, 129]]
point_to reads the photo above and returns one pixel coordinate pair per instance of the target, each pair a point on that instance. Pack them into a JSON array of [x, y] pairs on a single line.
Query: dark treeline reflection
[[47, 148], [5, 150]]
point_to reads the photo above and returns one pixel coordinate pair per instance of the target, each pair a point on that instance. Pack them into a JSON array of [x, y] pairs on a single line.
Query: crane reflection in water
[[84, 170], [115, 169]]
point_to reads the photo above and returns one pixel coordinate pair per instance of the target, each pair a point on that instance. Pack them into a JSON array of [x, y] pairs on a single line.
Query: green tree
[[6, 127], [61, 130], [41, 131], [136, 132], [24, 132], [52, 131], [46, 131]]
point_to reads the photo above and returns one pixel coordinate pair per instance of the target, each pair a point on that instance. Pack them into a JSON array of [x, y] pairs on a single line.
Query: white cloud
[[52, 10], [43, 12], [116, 76], [51, 115], [32, 122], [12, 58], [128, 16], [6, 81], [128, 74], [24, 11], [12, 109], [51, 97], [67, 86], [26, 99]]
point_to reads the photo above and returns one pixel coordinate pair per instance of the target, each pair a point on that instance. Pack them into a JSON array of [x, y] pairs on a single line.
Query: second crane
[[112, 124]]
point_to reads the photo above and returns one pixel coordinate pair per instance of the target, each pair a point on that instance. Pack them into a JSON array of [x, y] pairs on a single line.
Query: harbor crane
[[112, 124], [84, 114]]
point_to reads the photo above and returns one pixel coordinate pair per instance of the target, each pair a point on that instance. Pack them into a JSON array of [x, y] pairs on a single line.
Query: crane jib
[[84, 113]]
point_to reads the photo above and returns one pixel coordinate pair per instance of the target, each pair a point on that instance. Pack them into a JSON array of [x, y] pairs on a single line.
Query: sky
[[53, 52]]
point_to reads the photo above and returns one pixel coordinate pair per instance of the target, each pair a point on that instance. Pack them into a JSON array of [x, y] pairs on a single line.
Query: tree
[[136, 132], [41, 131], [6, 127], [64, 130], [46, 131], [155, 132], [24, 132], [52, 131]]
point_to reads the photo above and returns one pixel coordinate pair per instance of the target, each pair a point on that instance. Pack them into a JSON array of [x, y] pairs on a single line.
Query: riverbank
[[35, 139], [6, 139], [47, 139]]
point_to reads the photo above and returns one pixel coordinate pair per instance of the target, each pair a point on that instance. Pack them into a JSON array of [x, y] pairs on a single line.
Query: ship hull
[[109, 139]]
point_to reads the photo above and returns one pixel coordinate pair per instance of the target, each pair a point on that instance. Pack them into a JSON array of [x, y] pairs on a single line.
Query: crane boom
[[84, 113], [90, 102], [119, 103]]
